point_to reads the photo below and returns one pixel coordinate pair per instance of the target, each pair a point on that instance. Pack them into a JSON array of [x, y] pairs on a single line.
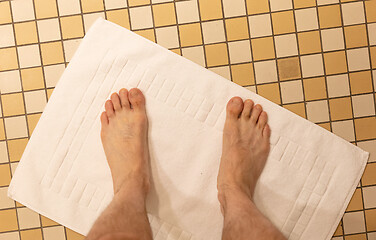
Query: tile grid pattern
[[321, 66]]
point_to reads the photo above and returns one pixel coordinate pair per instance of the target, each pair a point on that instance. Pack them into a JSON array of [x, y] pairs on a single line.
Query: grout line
[[226, 38], [202, 33]]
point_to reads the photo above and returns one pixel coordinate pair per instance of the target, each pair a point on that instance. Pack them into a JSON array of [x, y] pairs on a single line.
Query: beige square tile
[[353, 13], [10, 236], [16, 148], [92, 6], [32, 78], [266, 71], [49, 30], [358, 59], [363, 105], [270, 92], [26, 33], [164, 14], [5, 15], [369, 196], [236, 28], [190, 34], [317, 111], [289, 68], [35, 101], [314, 88], [356, 36], [133, 3], [29, 56], [309, 42], [12, 104], [353, 222], [286, 45], [72, 27], [13, 167], [70, 47], [210, 9], [260, 25], [32, 121], [213, 31], [15, 127], [27, 218], [71, 235], [340, 108], [304, 3], [243, 74], [45, 8], [330, 16], [69, 7], [312, 65], [338, 85], [369, 146], [292, 91], [371, 235], [5, 202], [3, 146], [216, 54], [22, 10], [263, 48], [356, 202], [365, 128], [370, 11], [279, 5], [187, 11], [233, 8], [332, 39], [335, 62], [251, 88], [119, 16], [46, 222], [195, 54], [167, 37], [223, 71], [32, 234], [8, 221], [8, 59], [4, 176], [372, 33], [297, 108], [240, 51], [52, 74], [7, 36], [306, 19], [373, 56], [90, 18], [114, 4], [257, 6], [10, 81], [344, 129], [283, 22], [52, 53], [54, 233]]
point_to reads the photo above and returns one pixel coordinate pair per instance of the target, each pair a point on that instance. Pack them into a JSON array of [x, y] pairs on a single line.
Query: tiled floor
[[316, 58]]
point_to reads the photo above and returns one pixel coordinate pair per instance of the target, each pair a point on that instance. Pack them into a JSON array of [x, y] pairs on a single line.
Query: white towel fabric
[[306, 185]]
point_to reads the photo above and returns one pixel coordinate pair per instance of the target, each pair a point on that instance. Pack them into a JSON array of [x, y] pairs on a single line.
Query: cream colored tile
[[353, 222], [213, 31], [312, 65], [344, 129], [332, 39], [266, 71], [286, 45], [353, 13], [52, 74], [278, 5], [306, 19], [10, 81], [7, 36], [29, 56], [233, 8], [369, 196], [358, 59], [363, 105], [187, 11], [69, 7], [317, 111], [372, 33], [5, 202], [49, 30], [10, 236], [15, 127], [27, 218], [114, 4], [223, 71], [252, 88], [70, 47], [13, 167], [54, 233], [167, 37], [35, 101], [90, 18], [292, 91], [141, 17], [195, 54], [260, 25], [371, 235], [338, 85], [369, 146], [3, 152], [22, 10], [240, 51]]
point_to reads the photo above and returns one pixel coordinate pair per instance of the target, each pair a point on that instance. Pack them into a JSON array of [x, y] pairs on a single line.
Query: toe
[[109, 108], [263, 119], [116, 101], [137, 99], [104, 119], [248, 105], [266, 132], [123, 94], [256, 111], [234, 107]]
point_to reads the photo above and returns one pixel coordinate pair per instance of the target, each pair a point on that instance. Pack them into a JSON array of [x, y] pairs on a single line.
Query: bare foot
[[124, 137], [245, 148]]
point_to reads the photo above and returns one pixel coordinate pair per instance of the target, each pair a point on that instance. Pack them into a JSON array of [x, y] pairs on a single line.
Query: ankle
[[233, 197]]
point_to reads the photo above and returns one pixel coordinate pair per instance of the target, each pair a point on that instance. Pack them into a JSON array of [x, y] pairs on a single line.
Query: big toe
[[234, 107], [137, 99]]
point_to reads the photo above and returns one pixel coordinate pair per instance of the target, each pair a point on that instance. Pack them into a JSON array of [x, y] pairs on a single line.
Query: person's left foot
[[124, 137]]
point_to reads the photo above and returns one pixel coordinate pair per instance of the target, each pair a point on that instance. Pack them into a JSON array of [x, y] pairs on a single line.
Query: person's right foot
[[245, 149]]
